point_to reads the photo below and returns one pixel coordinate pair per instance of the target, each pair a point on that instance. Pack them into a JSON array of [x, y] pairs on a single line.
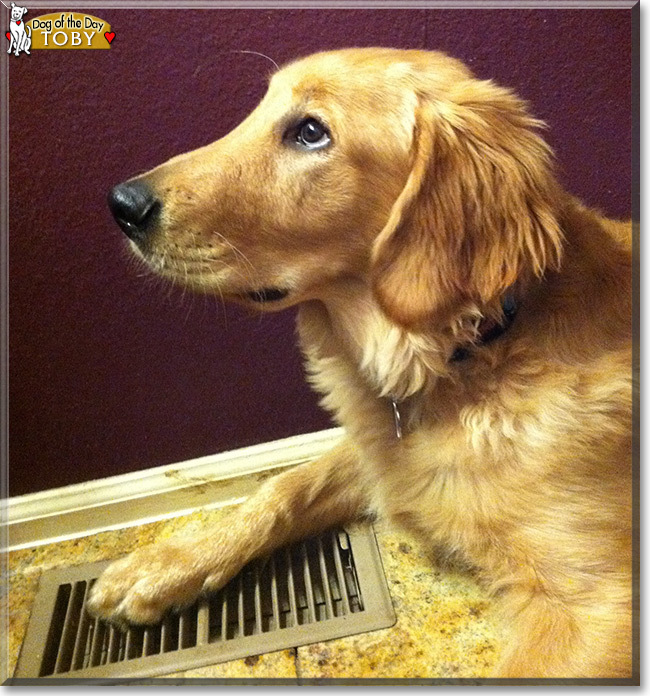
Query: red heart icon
[[8, 35], [18, 21], [110, 35]]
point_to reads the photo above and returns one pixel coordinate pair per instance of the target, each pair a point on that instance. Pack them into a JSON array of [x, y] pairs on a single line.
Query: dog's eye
[[312, 134]]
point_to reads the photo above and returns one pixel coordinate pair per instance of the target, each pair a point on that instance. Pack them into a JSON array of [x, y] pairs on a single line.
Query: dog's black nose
[[135, 208]]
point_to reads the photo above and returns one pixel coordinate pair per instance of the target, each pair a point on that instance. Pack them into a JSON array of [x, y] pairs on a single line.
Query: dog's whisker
[[257, 53], [237, 252]]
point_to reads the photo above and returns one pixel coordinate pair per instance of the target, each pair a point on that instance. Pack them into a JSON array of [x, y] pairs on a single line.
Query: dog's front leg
[[303, 501]]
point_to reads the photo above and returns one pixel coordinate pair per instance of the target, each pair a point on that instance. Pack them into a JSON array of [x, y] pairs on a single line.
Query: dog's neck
[[397, 363], [401, 368], [394, 362]]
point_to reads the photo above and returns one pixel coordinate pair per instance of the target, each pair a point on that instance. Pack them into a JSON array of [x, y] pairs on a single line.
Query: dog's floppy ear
[[477, 210]]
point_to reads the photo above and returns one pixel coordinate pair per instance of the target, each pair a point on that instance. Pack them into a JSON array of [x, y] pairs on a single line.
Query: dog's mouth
[[266, 295], [185, 272]]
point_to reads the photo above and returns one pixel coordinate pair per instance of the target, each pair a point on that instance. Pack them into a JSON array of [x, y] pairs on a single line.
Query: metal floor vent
[[325, 587]]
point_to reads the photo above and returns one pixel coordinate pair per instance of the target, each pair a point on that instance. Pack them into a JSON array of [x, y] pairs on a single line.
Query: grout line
[[296, 662]]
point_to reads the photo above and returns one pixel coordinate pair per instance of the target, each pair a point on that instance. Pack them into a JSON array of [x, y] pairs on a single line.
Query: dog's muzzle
[[134, 208]]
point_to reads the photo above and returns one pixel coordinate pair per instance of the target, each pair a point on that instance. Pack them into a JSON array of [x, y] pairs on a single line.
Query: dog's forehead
[[353, 73], [347, 79], [341, 70]]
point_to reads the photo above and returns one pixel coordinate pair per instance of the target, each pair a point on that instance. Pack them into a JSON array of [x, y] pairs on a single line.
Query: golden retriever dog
[[468, 322]]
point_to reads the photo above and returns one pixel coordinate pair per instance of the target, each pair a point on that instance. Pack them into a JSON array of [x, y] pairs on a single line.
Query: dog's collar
[[489, 330]]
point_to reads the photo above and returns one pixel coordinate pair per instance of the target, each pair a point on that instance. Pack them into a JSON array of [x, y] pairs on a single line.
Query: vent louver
[[323, 588]]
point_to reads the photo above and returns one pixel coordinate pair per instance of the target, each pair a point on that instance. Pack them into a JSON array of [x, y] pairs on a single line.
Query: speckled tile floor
[[445, 625]]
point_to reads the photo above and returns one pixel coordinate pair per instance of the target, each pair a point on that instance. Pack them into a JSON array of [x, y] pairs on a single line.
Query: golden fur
[[435, 197]]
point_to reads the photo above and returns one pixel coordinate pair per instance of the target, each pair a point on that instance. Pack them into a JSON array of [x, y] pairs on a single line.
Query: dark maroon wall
[[111, 372]]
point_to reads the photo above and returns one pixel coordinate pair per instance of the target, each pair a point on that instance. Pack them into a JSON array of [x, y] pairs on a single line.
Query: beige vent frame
[[326, 587]]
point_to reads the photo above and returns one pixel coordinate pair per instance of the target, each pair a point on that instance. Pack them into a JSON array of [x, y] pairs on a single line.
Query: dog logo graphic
[[20, 36]]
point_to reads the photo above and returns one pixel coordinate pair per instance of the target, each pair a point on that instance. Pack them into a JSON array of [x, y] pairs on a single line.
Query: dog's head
[[17, 12], [396, 167]]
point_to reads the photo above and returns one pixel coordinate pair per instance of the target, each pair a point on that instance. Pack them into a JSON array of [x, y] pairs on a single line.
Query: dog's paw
[[141, 587]]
